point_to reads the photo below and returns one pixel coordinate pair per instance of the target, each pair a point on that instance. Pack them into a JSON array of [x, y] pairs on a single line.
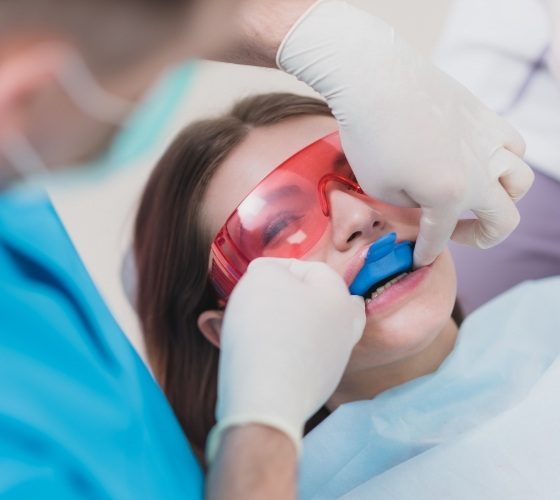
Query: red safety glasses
[[284, 216]]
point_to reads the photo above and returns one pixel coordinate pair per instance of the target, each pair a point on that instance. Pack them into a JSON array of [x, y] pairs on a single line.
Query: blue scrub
[[80, 416]]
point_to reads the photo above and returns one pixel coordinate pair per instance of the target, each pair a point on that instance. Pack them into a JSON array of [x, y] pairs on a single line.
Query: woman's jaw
[[400, 290], [369, 382], [388, 295], [396, 291], [409, 332], [405, 315]]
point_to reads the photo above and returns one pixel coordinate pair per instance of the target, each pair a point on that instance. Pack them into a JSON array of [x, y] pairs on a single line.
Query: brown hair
[[172, 249]]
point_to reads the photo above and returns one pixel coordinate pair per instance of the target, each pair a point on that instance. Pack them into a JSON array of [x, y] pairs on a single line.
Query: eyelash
[[277, 226]]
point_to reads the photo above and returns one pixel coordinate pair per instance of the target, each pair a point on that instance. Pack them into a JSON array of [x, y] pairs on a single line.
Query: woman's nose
[[354, 221]]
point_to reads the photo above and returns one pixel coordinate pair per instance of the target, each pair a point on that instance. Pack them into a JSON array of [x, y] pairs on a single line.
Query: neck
[[368, 383]]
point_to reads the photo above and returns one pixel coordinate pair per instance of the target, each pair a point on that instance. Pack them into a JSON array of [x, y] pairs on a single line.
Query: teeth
[[381, 289]]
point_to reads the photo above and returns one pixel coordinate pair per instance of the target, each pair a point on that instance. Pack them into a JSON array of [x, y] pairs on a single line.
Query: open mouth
[[379, 287], [387, 262]]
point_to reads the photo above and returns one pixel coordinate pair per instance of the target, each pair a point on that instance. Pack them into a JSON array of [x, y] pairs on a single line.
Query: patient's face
[[401, 320]]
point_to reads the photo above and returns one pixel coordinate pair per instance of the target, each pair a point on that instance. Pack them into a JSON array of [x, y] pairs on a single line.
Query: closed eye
[[277, 226]]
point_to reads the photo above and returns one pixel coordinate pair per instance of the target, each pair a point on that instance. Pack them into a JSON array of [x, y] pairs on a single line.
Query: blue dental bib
[[385, 258]]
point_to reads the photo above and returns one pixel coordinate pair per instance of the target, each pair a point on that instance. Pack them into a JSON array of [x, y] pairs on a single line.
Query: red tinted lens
[[284, 216], [281, 218]]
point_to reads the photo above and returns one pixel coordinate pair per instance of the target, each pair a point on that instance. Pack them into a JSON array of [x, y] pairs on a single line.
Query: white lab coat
[[499, 50]]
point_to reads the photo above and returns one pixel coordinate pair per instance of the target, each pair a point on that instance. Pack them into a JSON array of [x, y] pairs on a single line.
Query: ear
[[25, 70], [210, 324]]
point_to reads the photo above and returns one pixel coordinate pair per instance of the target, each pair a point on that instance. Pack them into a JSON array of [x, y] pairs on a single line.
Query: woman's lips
[[398, 292], [356, 264]]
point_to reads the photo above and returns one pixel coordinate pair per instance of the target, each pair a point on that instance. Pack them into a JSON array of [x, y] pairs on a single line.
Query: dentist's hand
[[288, 332], [413, 135]]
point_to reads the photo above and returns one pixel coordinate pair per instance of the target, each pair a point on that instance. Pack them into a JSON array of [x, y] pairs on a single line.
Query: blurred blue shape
[[141, 135], [385, 258], [80, 415], [147, 126]]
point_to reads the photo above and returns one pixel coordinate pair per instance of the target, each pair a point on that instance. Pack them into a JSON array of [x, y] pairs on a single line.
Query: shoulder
[[78, 408]]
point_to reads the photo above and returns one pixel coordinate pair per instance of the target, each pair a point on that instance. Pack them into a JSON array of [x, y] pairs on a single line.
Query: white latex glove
[[288, 332], [413, 135]]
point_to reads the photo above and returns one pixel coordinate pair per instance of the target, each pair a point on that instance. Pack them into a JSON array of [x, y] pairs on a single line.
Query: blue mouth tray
[[385, 258]]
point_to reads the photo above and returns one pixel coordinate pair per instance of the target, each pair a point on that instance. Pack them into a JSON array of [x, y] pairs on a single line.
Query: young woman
[[200, 181]]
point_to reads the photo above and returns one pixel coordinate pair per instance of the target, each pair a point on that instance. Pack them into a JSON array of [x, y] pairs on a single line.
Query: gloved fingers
[[288, 267], [264, 263], [501, 133], [320, 276], [515, 175], [495, 222], [316, 274], [436, 227], [514, 141]]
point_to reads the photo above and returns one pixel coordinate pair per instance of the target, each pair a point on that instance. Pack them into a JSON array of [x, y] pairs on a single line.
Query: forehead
[[259, 154]]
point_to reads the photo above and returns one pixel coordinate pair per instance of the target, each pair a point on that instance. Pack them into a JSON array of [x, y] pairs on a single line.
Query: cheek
[[411, 328]]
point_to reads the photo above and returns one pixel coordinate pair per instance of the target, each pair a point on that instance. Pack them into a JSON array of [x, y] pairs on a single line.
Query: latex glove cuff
[[216, 434]]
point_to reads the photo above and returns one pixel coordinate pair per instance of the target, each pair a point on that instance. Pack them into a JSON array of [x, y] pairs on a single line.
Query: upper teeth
[[381, 289]]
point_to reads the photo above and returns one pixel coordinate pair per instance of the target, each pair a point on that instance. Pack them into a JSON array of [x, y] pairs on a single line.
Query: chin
[[399, 337], [402, 332]]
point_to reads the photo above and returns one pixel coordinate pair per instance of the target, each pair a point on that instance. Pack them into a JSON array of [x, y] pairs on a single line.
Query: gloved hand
[[413, 135], [287, 335]]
